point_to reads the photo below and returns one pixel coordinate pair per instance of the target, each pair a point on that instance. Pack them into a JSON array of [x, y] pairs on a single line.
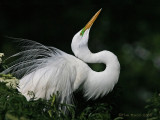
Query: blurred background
[[128, 28]]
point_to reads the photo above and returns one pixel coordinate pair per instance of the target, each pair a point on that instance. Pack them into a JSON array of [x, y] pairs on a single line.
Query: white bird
[[47, 70]]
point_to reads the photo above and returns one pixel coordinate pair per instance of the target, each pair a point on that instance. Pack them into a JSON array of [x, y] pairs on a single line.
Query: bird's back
[[44, 71]]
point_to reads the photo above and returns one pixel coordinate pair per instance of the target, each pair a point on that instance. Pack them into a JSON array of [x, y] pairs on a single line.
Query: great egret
[[47, 70]]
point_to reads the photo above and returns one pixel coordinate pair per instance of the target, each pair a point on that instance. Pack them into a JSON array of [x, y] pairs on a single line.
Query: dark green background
[[128, 28]]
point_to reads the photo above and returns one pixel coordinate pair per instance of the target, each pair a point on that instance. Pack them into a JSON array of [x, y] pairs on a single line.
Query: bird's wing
[[44, 71], [32, 56]]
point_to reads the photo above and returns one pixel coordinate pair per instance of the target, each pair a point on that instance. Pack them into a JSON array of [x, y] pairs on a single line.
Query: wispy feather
[[43, 70]]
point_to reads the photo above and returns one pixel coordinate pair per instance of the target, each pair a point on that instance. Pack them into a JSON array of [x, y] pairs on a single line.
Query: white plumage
[[47, 70]]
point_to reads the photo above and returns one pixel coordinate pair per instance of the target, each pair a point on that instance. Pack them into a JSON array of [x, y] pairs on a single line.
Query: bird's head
[[80, 40]]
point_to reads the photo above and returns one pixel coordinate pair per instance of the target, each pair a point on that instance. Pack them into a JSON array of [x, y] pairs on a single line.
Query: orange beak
[[90, 23]]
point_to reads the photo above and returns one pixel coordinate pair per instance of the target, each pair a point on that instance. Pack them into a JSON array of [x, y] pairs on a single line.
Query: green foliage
[[97, 112], [153, 107], [14, 106], [9, 80]]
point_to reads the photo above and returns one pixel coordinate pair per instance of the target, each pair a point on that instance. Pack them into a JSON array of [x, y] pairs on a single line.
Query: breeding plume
[[47, 70]]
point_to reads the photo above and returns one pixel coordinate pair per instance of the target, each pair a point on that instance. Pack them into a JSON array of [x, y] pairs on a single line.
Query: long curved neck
[[100, 83], [97, 83]]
